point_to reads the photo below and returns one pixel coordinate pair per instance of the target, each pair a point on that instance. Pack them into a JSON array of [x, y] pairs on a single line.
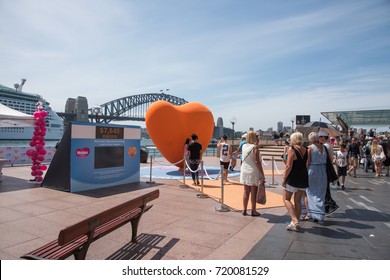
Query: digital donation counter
[[93, 155]]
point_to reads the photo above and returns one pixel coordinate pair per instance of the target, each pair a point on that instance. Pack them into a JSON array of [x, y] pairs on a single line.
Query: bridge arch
[[132, 107]]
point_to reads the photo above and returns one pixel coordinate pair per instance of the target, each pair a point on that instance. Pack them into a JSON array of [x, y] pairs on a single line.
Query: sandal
[[255, 213], [293, 227], [305, 218]]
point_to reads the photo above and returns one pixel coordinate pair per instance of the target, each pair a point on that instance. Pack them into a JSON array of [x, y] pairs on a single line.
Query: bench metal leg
[[134, 228], [82, 253]]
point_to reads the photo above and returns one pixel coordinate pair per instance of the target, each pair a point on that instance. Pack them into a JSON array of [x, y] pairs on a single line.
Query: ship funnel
[[18, 87]]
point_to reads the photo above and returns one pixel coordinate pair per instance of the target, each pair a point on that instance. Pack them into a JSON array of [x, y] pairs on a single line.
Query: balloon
[[38, 141], [169, 126]]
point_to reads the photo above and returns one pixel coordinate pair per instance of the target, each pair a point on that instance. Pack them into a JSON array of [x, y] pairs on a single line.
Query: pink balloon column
[[37, 144]]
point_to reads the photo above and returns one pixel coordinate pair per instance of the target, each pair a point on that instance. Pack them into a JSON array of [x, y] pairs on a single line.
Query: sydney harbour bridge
[[129, 108]]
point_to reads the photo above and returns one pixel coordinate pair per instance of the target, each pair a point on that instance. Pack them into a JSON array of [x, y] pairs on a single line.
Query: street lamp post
[[233, 121]]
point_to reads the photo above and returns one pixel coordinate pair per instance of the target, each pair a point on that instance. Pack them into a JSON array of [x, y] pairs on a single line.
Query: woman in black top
[[295, 179]]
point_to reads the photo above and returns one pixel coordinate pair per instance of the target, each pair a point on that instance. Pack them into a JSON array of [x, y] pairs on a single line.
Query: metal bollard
[[184, 185], [201, 195], [273, 183], [151, 167], [222, 207]]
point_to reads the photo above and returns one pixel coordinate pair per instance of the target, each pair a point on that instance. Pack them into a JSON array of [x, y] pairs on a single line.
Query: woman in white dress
[[251, 171], [376, 151]]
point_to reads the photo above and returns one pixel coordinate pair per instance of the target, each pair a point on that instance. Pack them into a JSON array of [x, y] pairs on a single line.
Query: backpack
[[366, 150]]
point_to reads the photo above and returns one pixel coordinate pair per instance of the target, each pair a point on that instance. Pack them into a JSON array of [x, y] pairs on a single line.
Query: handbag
[[261, 196], [330, 171]]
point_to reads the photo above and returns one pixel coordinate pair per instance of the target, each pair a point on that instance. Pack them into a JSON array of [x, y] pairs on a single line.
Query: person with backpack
[[354, 155]]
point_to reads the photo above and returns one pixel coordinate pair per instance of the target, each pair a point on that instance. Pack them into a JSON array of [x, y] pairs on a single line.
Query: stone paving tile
[[36, 226], [9, 239], [8, 215]]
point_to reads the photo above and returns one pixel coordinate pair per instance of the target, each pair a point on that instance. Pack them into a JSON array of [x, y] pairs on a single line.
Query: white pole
[[201, 195], [184, 185], [273, 183], [222, 207], [151, 167]]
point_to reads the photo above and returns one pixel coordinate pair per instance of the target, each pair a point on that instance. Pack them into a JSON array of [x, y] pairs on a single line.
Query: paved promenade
[[181, 226]]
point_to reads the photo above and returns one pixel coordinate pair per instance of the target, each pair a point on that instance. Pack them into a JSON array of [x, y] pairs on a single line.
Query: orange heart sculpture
[[169, 126]]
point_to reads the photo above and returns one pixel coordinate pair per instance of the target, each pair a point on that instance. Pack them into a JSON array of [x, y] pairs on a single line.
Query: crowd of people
[[309, 171]]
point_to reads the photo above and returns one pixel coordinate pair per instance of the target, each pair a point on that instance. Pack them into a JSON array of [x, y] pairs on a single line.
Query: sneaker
[[332, 210], [293, 227], [342, 187]]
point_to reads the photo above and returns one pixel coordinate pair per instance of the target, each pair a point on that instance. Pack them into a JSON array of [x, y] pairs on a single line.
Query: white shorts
[[294, 189]]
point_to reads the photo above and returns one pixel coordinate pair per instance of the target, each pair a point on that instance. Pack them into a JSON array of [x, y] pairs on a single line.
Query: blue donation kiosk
[[92, 156]]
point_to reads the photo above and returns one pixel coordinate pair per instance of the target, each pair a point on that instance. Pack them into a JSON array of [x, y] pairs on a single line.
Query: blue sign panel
[[104, 155]]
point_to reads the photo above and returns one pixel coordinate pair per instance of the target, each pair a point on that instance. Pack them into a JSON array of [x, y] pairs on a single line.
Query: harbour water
[[15, 150], [153, 151]]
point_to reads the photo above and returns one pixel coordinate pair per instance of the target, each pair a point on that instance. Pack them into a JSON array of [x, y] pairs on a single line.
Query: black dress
[[298, 176]]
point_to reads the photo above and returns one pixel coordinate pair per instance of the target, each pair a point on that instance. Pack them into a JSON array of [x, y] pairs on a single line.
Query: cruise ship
[[25, 102]]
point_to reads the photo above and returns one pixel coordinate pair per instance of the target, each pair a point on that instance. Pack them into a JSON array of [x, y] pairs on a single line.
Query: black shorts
[[342, 171], [225, 164]]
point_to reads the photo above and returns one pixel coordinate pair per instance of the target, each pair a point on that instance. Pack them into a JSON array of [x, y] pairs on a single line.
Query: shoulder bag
[[330, 171]]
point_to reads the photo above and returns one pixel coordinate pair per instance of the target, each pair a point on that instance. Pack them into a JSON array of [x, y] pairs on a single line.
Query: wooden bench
[[76, 239]]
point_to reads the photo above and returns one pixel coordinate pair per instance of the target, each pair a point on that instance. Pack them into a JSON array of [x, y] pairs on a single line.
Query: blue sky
[[259, 61]]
